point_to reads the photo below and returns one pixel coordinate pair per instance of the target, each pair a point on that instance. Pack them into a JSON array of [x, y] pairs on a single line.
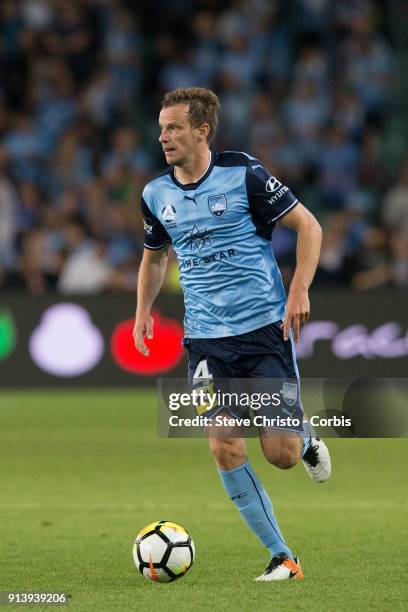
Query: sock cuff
[[234, 470]]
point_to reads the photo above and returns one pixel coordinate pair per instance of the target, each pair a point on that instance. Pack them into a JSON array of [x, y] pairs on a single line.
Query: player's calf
[[228, 453], [284, 452]]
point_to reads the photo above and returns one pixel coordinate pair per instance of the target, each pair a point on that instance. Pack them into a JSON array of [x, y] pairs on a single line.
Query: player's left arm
[[271, 202], [308, 246]]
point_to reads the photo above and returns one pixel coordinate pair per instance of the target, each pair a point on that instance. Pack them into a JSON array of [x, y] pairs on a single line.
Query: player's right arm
[[151, 276]]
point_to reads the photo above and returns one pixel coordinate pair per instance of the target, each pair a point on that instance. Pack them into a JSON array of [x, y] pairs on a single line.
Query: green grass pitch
[[81, 472]]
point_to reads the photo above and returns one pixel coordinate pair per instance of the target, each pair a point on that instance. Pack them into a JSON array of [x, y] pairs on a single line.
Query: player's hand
[[297, 312], [143, 328]]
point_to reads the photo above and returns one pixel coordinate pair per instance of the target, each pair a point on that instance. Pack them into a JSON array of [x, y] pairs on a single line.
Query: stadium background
[[316, 89]]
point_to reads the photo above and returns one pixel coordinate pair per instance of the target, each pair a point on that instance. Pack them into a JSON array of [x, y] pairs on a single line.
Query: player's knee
[[228, 452]]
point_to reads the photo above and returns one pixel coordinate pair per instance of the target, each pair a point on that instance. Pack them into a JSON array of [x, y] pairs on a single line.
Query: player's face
[[178, 138]]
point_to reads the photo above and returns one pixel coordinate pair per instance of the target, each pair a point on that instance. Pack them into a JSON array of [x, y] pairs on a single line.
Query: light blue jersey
[[220, 229]]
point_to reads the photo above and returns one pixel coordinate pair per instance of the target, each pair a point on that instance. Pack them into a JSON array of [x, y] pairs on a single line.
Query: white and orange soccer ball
[[163, 551]]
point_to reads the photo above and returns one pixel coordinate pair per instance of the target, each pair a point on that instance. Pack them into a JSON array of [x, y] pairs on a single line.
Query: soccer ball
[[163, 551]]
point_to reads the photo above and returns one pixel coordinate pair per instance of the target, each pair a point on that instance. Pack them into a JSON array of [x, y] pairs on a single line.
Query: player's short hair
[[204, 106]]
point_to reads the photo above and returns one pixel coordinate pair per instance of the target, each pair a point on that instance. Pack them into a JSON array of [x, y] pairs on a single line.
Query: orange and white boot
[[282, 568]]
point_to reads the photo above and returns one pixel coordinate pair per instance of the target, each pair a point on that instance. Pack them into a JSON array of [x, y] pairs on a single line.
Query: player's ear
[[204, 130]]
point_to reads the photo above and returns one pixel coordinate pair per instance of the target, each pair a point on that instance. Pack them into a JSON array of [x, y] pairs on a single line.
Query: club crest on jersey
[[290, 393], [169, 215], [217, 205]]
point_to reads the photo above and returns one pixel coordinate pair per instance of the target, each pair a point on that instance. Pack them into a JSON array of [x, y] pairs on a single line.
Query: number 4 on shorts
[[202, 370]]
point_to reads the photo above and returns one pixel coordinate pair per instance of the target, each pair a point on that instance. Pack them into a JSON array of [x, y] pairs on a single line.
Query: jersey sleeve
[[155, 235], [269, 200]]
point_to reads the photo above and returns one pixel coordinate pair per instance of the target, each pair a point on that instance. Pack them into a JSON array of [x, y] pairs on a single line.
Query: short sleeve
[[155, 235], [269, 199]]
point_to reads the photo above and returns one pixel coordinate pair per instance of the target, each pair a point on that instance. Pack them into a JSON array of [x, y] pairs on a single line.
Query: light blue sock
[[251, 499]]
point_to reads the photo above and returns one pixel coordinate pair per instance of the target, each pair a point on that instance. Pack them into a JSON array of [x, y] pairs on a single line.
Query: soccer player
[[218, 211]]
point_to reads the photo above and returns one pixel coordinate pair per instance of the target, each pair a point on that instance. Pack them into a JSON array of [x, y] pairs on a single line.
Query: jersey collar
[[191, 186]]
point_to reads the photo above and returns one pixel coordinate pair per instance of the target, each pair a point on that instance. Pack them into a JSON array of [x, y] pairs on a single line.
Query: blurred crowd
[[310, 87]]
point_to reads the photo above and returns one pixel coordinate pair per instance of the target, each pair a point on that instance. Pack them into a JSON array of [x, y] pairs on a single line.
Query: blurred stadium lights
[[77, 340]]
